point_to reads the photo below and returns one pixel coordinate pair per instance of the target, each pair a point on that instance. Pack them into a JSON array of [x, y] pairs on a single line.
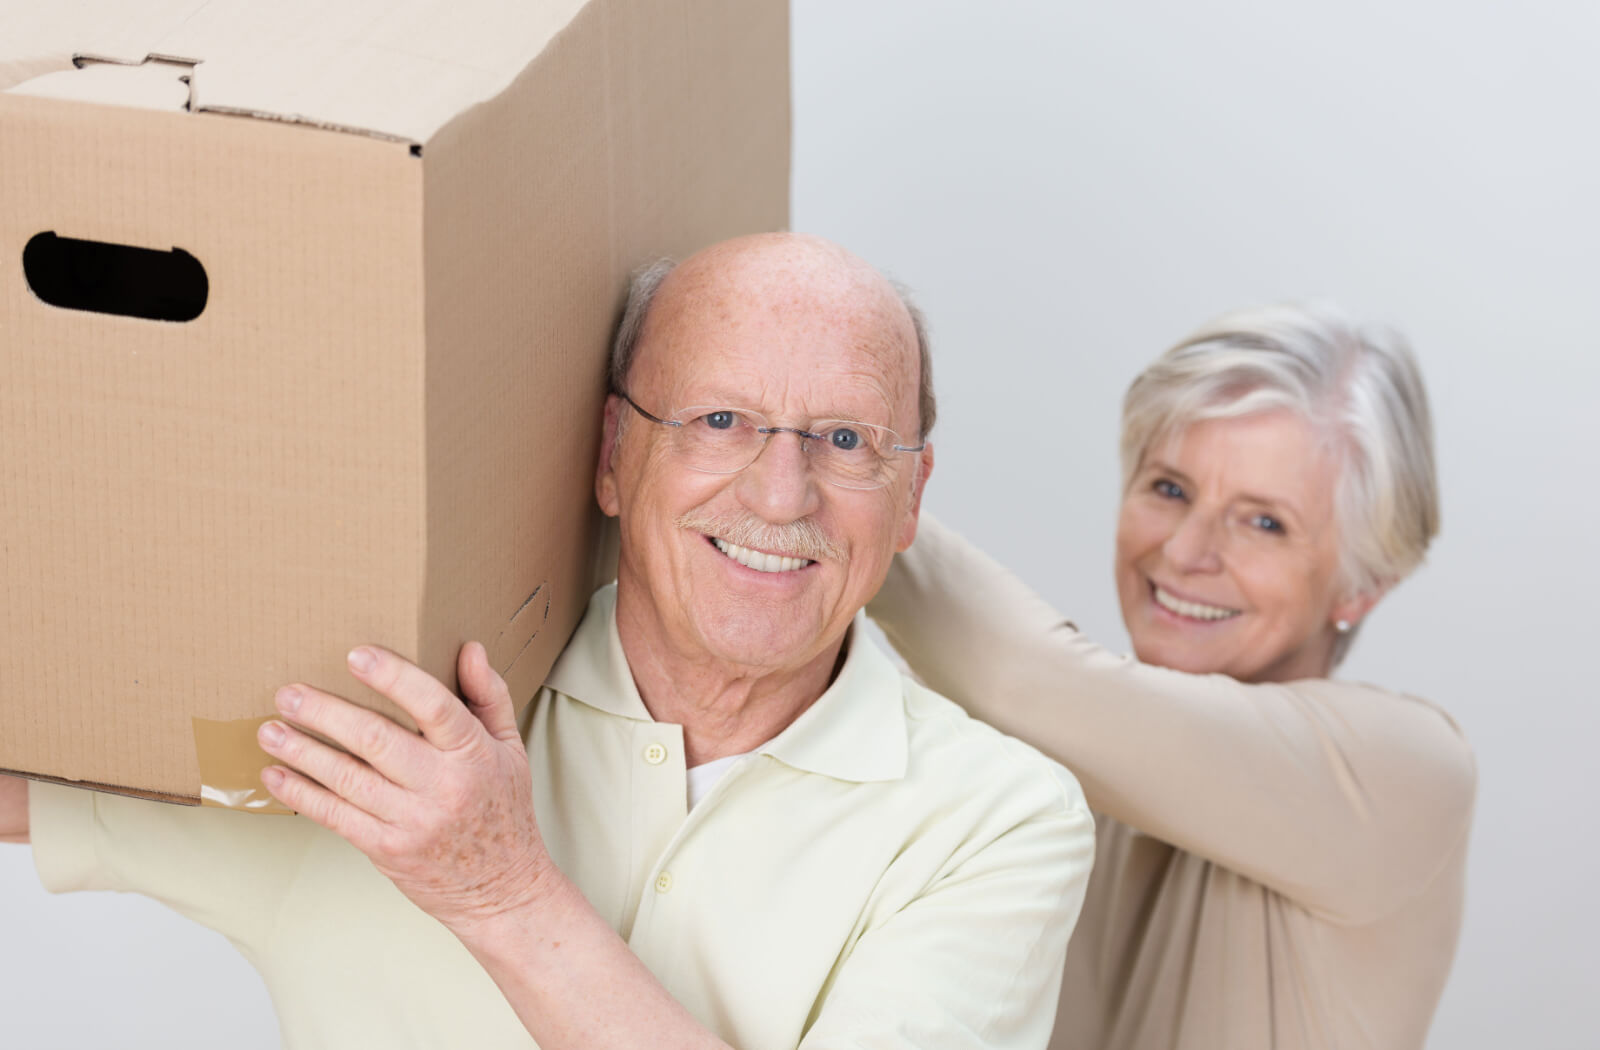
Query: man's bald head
[[789, 271]]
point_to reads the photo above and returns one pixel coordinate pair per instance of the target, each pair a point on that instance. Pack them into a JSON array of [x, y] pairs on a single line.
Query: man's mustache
[[803, 538]]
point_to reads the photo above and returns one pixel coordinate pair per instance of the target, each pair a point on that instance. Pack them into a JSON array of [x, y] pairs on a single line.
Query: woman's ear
[[1352, 609]]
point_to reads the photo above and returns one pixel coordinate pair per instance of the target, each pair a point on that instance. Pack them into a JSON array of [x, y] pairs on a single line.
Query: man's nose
[[1194, 544], [780, 485]]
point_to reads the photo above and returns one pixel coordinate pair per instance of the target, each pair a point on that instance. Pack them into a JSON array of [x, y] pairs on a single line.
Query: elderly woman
[[1280, 854]]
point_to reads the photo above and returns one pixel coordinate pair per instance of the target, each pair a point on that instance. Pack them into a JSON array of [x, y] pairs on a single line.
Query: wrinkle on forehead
[[797, 290]]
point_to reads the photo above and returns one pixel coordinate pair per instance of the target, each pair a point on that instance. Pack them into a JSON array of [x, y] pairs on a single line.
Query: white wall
[[1072, 186]]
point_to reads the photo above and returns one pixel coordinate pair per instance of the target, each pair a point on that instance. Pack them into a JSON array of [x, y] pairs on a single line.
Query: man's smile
[[761, 561]]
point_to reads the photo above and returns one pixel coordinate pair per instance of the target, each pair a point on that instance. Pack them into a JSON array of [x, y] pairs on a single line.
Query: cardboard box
[[364, 262]]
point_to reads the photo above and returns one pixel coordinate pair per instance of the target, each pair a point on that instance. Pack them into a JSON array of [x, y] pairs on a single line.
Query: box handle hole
[[118, 279]]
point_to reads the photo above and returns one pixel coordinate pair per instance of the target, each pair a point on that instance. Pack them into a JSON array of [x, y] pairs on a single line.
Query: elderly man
[[751, 830]]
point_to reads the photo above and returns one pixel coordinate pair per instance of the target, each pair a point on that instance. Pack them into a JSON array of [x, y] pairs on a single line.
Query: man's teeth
[[1193, 610], [758, 560]]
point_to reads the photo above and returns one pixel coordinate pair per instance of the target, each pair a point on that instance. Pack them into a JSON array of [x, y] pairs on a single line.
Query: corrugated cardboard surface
[[644, 171], [191, 505], [395, 68], [382, 427]]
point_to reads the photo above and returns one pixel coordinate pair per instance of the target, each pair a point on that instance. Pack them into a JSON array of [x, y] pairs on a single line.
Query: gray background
[[1070, 187]]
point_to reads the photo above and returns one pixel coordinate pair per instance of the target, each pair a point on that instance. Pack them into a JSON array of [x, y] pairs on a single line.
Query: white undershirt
[[704, 777]]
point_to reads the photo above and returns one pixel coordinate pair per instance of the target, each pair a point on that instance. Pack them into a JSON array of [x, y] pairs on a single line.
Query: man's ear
[[605, 477], [919, 482]]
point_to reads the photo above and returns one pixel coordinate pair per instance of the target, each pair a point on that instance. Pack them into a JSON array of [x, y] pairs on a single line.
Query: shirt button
[[655, 754], [664, 882]]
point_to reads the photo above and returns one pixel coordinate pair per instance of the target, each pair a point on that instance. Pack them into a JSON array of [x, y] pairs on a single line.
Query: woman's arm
[[1346, 799]]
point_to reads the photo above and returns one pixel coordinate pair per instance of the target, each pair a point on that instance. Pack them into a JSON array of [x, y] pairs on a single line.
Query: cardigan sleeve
[[1347, 799]]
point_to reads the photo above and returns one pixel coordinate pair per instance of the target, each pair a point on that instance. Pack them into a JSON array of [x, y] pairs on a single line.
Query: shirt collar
[[855, 731]]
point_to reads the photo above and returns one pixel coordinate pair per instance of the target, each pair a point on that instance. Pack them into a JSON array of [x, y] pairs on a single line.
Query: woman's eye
[[1168, 489], [1267, 523], [722, 419]]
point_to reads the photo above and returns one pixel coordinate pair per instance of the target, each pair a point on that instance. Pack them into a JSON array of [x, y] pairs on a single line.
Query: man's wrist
[[523, 900]]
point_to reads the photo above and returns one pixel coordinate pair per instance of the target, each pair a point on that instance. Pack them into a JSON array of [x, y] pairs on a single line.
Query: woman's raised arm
[[1344, 798]]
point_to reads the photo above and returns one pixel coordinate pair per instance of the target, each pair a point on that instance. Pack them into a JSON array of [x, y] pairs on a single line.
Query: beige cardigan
[[1278, 866]]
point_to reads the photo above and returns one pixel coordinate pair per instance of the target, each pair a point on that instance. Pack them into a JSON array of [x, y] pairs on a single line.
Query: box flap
[[398, 69], [155, 84]]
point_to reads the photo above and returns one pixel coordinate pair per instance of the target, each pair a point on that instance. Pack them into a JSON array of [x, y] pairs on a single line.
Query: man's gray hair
[[1358, 384], [642, 292]]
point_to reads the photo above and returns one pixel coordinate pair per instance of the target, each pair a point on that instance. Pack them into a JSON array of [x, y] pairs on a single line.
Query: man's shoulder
[[949, 747]]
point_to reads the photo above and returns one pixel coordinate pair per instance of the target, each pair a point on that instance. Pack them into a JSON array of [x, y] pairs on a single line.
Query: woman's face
[[1227, 551]]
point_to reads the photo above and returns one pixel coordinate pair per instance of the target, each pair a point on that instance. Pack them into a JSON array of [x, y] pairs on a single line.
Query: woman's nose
[[1193, 545]]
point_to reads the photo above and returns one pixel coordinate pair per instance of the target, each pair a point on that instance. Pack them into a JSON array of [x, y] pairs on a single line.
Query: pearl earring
[[1342, 626]]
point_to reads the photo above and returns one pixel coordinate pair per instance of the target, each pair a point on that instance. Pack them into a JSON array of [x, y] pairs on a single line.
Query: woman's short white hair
[[1358, 384]]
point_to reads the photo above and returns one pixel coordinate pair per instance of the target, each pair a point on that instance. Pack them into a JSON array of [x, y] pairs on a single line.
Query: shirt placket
[[658, 805], [664, 912]]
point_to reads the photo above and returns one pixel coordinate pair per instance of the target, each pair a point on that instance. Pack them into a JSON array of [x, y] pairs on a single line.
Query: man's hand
[[13, 809], [447, 815]]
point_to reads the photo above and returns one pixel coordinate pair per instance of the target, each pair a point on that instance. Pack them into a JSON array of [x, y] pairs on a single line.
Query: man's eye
[[845, 439], [1169, 489], [722, 419]]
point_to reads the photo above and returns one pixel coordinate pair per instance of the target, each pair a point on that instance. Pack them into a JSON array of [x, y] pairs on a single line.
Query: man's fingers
[[487, 693], [378, 741], [362, 830], [439, 713], [344, 775]]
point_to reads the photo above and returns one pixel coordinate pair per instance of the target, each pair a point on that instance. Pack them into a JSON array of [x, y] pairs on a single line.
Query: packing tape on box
[[231, 763]]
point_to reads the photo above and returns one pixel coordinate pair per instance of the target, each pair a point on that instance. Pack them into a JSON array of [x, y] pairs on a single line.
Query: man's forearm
[[575, 983], [13, 809]]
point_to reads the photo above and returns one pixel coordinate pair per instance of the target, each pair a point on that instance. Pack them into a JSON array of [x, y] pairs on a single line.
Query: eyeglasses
[[715, 439]]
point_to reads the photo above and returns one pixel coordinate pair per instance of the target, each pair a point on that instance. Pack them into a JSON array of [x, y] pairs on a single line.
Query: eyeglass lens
[[846, 453]]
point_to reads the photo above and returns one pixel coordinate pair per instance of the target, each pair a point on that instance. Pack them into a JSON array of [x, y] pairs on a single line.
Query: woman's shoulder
[[1387, 705], [1416, 732]]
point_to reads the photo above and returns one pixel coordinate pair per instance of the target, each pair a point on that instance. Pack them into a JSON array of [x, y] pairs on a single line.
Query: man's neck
[[724, 710]]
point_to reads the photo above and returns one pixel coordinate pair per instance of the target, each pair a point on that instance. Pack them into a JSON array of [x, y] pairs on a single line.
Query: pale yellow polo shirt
[[886, 872]]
